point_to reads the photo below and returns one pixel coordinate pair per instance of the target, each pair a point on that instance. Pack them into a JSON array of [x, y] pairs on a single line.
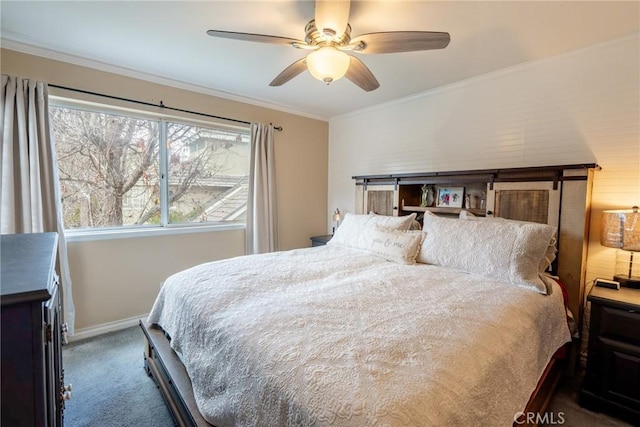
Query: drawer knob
[[64, 328], [66, 395], [67, 387]]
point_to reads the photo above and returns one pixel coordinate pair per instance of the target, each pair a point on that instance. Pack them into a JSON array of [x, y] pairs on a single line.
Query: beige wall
[[119, 278]]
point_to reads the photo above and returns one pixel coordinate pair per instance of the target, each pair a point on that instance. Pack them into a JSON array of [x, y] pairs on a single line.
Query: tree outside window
[[110, 170]]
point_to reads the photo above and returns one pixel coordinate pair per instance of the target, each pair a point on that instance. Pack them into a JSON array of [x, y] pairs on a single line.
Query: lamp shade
[[337, 216], [328, 64], [621, 229]]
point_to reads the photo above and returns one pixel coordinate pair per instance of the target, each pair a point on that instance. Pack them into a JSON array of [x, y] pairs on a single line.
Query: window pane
[[108, 167], [208, 173]]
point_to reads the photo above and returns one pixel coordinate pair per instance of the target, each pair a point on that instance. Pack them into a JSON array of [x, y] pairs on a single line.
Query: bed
[[456, 324]]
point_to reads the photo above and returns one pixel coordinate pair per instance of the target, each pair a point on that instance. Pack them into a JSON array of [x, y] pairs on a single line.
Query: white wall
[[581, 107]]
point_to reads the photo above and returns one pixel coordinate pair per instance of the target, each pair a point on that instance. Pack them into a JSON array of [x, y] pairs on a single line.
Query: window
[[123, 169]]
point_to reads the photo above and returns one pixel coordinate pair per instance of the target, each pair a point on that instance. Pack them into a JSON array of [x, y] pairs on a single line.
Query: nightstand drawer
[[621, 362], [620, 323]]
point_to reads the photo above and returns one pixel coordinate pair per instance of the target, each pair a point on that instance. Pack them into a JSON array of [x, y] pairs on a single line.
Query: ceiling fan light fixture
[[332, 17], [329, 36], [328, 64]]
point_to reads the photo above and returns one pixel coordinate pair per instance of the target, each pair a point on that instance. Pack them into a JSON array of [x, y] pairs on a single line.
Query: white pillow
[[510, 251], [395, 245], [396, 222], [549, 255], [464, 214], [353, 230]]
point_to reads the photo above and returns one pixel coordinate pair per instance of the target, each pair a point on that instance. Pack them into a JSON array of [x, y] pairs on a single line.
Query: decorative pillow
[[403, 223], [510, 251], [394, 245], [354, 229], [549, 255]]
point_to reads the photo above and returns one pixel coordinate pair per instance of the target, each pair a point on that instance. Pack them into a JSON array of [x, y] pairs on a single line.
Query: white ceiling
[[168, 39]]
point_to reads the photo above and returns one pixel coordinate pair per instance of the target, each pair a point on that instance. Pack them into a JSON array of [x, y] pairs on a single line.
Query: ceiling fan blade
[[260, 38], [332, 16], [290, 72], [359, 74], [399, 41]]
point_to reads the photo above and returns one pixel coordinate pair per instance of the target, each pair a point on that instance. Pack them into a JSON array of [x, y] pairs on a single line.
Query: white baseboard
[[118, 325]]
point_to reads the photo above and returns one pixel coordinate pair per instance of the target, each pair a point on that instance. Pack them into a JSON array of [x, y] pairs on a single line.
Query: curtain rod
[[150, 104]]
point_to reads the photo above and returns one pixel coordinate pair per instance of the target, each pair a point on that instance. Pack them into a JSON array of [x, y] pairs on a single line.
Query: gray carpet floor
[[110, 385], [111, 388]]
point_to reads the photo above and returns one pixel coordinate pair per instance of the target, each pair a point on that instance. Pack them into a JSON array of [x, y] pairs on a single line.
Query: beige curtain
[[29, 195], [262, 209]]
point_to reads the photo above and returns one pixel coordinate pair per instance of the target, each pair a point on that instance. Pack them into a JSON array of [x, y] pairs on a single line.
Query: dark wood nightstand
[[320, 240], [612, 379]]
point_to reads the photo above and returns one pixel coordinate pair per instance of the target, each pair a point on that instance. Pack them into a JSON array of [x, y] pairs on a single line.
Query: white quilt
[[335, 336]]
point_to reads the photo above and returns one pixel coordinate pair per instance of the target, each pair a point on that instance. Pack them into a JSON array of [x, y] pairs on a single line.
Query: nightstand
[[612, 379], [320, 240]]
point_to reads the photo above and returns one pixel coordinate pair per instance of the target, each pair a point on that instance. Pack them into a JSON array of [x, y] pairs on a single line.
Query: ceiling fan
[[329, 37]]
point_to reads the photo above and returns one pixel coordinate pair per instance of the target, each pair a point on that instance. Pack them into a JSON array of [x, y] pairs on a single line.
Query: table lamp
[[621, 230], [337, 217]]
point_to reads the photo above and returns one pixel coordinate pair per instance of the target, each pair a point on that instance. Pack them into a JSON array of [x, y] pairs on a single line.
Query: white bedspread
[[334, 336]]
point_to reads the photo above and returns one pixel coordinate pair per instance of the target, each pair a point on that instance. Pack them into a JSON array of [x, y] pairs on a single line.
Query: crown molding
[[18, 46]]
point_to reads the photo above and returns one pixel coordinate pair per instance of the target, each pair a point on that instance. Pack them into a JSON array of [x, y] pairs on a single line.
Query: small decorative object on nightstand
[[612, 379], [320, 240]]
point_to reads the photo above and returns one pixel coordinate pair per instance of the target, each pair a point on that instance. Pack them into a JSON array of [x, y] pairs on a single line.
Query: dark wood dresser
[[612, 379], [33, 390]]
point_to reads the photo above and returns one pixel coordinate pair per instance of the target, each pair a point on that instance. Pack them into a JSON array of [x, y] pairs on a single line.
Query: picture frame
[[450, 197]]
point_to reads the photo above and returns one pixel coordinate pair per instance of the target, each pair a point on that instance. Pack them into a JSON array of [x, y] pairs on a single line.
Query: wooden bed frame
[[164, 366]]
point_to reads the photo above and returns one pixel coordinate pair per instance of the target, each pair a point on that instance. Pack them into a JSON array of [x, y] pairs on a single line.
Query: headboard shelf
[[437, 210]]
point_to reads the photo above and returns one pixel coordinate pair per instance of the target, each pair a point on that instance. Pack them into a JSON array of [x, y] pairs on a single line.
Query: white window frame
[[164, 228]]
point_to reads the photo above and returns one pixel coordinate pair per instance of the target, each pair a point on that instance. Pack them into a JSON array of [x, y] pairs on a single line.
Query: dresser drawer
[[619, 323]]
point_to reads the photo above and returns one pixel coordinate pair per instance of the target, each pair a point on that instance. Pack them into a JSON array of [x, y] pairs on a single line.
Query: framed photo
[[450, 197]]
